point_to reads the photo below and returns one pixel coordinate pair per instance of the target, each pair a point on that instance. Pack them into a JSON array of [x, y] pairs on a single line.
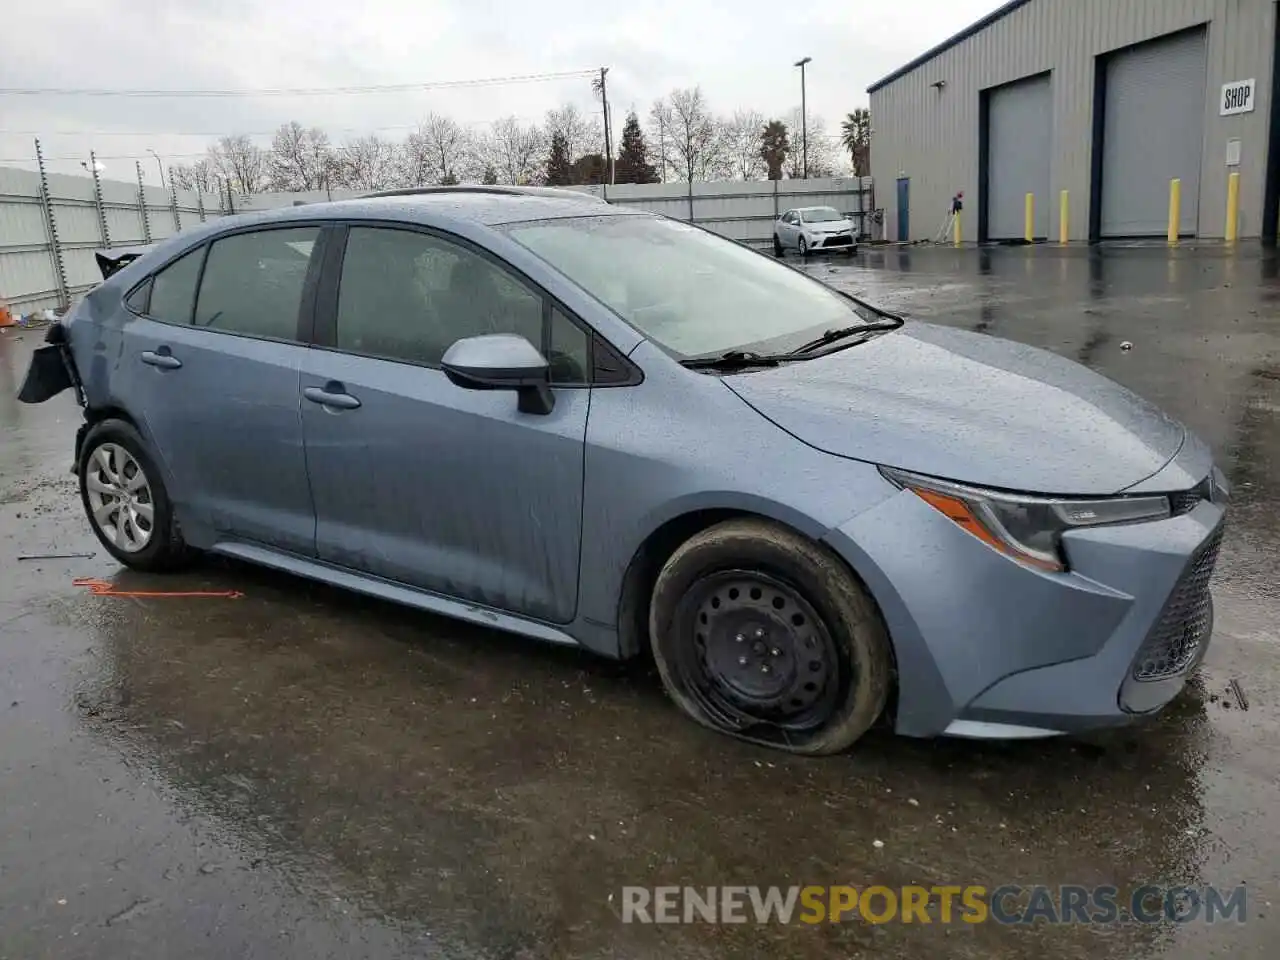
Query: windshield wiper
[[736, 360], [839, 333]]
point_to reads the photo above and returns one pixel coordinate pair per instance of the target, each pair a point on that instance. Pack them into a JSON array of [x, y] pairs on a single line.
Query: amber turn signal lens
[[962, 514]]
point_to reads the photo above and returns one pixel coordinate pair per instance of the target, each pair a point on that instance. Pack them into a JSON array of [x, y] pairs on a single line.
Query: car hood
[[968, 407], [828, 226]]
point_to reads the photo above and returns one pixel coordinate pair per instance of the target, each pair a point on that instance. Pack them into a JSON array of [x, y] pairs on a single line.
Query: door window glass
[[173, 291], [253, 282], [410, 296]]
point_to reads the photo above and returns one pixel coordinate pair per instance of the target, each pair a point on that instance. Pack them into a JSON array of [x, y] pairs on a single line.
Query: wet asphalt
[[305, 773]]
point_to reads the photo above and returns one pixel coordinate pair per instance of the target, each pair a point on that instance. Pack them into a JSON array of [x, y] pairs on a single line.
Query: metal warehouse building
[[1107, 100]]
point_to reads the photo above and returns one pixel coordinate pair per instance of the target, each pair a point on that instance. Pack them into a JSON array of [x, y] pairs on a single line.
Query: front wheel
[[777, 246], [763, 634], [804, 247], [124, 496]]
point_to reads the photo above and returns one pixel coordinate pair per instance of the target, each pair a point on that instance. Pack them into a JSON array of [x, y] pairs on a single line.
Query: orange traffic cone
[[6, 317]]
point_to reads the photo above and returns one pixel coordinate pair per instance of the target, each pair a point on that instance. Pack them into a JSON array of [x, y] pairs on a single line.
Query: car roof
[[489, 206]]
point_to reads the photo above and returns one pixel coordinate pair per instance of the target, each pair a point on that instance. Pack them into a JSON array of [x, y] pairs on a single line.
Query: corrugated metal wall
[[931, 135], [29, 278], [28, 265], [741, 211]]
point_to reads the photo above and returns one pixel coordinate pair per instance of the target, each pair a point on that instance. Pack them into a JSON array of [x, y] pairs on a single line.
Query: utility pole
[[804, 122], [159, 166], [608, 136]]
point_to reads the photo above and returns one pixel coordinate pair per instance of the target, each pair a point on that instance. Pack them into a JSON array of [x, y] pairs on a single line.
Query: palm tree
[[775, 145], [856, 138]]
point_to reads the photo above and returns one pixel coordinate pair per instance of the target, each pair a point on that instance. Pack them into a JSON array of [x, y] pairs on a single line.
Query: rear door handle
[[334, 396], [163, 359]]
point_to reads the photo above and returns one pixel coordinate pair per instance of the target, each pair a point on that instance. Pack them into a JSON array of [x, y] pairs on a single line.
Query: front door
[[216, 385], [426, 483], [904, 210]]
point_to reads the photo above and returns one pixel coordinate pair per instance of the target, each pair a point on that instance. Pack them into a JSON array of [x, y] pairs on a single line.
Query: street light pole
[[159, 165], [804, 122]]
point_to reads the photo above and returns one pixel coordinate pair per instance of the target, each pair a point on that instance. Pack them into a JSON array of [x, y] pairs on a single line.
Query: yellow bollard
[[1064, 214], [955, 229], [1233, 207], [1175, 208], [1029, 233]]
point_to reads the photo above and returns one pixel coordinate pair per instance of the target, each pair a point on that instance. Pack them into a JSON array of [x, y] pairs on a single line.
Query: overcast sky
[[740, 53]]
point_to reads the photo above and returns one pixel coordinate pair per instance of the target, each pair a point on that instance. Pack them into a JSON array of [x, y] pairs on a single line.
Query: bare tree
[[240, 162], [201, 175], [298, 158], [367, 163], [741, 137], [437, 152], [581, 134], [513, 150], [691, 138], [823, 156]]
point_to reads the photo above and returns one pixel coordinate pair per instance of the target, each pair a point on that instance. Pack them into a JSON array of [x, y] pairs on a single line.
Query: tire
[[108, 448], [711, 674], [803, 247], [777, 246]]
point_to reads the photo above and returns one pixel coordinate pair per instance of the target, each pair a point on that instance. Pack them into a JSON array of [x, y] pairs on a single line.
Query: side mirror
[[502, 361]]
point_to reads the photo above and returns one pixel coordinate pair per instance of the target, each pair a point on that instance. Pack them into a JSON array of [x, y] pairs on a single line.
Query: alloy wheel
[[120, 500]]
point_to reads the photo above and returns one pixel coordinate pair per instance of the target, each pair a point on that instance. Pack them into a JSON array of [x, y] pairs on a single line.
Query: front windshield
[[821, 214], [693, 292]]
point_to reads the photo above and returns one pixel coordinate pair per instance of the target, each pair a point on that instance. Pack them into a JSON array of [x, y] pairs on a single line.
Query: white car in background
[[809, 229]]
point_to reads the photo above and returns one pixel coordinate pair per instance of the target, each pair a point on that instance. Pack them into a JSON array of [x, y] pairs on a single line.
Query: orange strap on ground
[[101, 588]]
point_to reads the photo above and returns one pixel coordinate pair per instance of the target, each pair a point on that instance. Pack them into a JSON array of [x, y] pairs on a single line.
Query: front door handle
[[161, 358], [333, 396]]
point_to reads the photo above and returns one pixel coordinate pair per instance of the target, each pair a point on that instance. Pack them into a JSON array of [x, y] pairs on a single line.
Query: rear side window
[[253, 282], [173, 289]]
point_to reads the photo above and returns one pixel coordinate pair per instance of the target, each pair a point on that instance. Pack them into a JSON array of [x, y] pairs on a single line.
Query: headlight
[[1028, 529]]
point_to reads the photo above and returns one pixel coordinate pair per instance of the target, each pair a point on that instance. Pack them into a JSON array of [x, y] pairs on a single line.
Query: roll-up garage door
[[1153, 133], [1019, 139]]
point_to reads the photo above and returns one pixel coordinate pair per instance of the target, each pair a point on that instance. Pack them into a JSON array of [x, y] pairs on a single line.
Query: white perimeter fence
[[50, 225]]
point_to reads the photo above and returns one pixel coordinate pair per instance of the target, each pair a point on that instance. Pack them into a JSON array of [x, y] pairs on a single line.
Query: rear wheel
[[763, 634], [126, 501]]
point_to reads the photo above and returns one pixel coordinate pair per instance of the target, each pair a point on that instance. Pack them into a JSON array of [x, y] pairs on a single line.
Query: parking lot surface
[[301, 772]]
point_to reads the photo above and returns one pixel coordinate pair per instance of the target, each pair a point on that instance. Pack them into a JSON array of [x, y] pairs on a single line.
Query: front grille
[[839, 240], [1184, 501], [1185, 623]]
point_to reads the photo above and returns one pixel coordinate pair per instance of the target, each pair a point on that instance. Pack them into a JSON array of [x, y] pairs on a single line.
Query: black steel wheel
[[763, 634], [803, 247], [777, 246], [760, 650]]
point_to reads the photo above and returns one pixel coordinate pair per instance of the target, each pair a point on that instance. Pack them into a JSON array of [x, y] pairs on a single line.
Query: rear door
[[423, 482], [216, 358]]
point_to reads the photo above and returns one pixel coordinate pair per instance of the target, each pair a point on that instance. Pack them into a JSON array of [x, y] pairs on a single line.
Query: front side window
[[173, 289], [693, 292], [253, 282], [410, 296]]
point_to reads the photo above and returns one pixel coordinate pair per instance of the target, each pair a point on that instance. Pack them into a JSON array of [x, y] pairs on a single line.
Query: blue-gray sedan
[[598, 427]]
